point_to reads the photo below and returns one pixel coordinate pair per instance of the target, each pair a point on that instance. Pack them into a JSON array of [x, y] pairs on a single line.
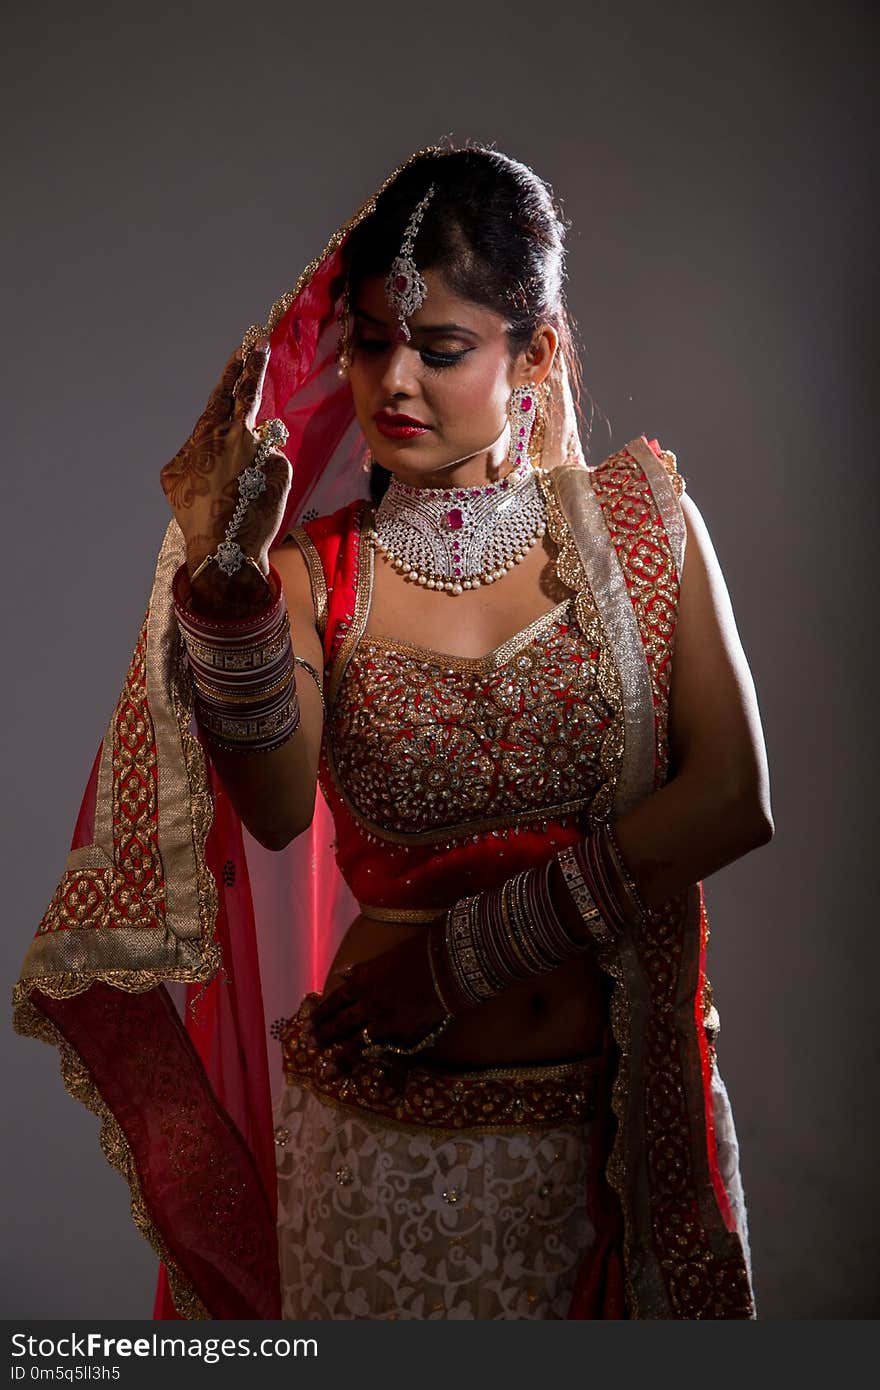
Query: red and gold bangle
[[243, 672]]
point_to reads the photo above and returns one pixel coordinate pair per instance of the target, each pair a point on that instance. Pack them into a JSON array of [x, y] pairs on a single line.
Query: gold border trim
[[185, 809], [306, 1083], [601, 576], [362, 521], [317, 578], [29, 1022], [498, 656], [572, 571], [401, 914], [667, 485], [67, 961]]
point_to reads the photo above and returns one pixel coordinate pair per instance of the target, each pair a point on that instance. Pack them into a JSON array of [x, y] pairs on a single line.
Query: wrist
[[212, 592], [242, 670], [452, 1001], [600, 886]]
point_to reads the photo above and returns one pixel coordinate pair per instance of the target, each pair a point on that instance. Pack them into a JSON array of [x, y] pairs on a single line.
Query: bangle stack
[[243, 672], [495, 938], [602, 887], [492, 939]]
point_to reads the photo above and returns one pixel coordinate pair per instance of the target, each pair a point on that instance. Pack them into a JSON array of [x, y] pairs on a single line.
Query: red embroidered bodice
[[446, 775], [424, 752]]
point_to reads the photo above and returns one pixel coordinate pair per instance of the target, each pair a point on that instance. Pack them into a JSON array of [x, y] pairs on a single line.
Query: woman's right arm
[[274, 793]]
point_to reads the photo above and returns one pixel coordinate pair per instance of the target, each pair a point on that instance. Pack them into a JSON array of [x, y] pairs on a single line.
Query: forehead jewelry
[[405, 289]]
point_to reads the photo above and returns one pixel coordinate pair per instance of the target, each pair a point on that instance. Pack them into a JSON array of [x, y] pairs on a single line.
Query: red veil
[[173, 940]]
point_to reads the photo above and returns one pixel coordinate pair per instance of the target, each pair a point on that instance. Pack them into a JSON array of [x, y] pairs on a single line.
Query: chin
[[407, 463]]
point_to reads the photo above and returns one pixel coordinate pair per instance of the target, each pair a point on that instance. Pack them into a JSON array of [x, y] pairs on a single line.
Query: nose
[[399, 377]]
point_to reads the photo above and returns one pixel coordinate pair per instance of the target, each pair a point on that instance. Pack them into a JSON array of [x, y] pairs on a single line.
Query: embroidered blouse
[[497, 761]]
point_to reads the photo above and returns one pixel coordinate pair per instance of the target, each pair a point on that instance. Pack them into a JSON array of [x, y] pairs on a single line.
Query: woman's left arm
[[716, 806], [713, 810]]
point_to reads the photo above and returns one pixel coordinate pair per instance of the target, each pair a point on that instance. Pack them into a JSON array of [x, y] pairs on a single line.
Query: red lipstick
[[395, 426]]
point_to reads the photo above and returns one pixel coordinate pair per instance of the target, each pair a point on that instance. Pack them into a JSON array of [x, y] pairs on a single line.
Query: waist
[[493, 1099]]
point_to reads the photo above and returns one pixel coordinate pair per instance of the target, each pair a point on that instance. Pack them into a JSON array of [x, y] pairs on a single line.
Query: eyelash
[[434, 361]]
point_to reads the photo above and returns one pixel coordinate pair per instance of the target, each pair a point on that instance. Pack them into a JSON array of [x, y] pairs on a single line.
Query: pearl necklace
[[456, 538]]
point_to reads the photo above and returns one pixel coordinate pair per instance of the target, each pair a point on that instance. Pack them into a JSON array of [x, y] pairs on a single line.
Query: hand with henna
[[201, 484], [392, 995]]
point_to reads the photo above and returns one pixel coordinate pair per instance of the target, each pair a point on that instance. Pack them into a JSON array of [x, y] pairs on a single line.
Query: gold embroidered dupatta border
[[146, 864], [681, 1258], [137, 905]]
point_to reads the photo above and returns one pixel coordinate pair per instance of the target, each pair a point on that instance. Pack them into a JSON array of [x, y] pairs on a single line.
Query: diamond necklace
[[457, 538]]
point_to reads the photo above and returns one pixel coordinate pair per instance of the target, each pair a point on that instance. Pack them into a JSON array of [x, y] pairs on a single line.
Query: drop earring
[[521, 412]]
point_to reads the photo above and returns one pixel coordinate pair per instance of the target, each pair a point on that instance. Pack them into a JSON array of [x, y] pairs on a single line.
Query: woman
[[504, 1100]]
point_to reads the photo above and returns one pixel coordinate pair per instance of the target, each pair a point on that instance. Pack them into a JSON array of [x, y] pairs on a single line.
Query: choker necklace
[[457, 538]]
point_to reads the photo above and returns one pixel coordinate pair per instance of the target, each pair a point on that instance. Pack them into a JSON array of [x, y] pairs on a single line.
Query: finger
[[346, 1058], [249, 391], [330, 1005], [221, 398], [346, 1023]]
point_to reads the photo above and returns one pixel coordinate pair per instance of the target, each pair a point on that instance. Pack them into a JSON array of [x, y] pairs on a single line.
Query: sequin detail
[[421, 744], [641, 541], [490, 1100]]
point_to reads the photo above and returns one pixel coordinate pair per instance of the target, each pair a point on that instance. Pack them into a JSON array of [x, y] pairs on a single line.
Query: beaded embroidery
[[421, 744]]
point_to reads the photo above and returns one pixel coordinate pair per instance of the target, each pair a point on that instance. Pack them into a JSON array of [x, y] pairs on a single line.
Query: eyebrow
[[434, 328]]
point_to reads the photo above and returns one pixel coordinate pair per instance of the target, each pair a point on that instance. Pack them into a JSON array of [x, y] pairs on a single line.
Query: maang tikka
[[405, 289]]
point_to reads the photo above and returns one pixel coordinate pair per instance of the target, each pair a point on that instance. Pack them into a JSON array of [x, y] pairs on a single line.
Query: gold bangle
[[254, 697], [434, 980], [248, 559], [624, 873], [307, 666]]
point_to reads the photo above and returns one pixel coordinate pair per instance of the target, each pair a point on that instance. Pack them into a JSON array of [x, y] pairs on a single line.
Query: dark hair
[[492, 228]]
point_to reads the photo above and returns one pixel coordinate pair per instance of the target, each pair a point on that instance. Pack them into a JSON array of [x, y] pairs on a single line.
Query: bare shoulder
[[702, 581]]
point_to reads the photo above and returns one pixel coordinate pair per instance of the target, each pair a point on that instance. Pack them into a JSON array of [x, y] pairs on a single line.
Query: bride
[[515, 683]]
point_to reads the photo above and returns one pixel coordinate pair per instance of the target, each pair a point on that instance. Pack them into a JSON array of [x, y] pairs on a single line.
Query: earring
[[367, 464], [521, 412]]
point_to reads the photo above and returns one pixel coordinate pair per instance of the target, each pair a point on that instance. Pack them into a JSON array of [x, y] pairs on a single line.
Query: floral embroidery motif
[[394, 1243], [420, 743]]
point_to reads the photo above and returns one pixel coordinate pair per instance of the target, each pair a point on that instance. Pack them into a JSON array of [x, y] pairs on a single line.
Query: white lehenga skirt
[[443, 1195]]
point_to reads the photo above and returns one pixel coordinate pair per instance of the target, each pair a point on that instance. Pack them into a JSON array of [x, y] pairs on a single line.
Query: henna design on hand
[[188, 474], [201, 482]]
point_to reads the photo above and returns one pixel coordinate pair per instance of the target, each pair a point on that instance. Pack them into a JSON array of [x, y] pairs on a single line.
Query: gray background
[[169, 171]]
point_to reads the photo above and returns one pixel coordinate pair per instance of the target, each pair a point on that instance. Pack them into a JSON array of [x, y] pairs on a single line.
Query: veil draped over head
[[147, 970]]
